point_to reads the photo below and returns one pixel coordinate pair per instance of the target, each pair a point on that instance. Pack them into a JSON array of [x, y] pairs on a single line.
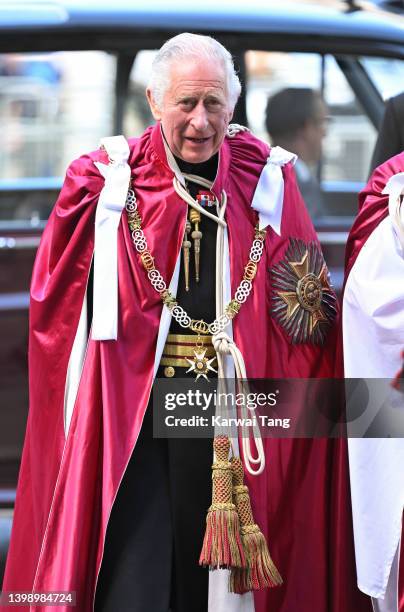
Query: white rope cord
[[222, 342], [199, 180], [224, 345], [183, 193]]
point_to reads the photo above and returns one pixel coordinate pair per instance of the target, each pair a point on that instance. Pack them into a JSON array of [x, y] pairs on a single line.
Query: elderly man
[[103, 509]]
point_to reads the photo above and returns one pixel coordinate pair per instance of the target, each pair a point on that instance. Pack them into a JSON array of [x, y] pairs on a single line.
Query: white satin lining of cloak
[[75, 366], [373, 325]]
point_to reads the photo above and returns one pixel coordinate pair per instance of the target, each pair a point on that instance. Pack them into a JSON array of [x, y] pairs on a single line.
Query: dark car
[[71, 73]]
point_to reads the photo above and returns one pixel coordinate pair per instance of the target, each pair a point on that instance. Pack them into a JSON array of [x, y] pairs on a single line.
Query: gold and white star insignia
[[301, 268], [290, 299], [303, 302], [200, 364]]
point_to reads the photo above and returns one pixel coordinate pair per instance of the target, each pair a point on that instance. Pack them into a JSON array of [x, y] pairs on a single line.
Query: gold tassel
[[260, 571], [222, 547]]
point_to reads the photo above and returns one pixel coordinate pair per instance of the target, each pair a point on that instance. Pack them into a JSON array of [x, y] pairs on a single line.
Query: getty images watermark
[[228, 401], [182, 408]]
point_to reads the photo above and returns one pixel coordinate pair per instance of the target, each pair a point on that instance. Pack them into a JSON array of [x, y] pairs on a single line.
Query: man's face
[[195, 112]]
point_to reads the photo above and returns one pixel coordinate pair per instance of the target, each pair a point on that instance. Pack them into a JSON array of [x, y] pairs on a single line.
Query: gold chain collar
[[200, 364]]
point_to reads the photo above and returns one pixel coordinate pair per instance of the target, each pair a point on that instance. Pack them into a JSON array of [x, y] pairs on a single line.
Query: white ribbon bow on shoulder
[[109, 209], [268, 196]]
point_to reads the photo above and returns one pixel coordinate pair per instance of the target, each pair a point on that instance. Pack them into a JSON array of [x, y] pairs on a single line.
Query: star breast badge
[[303, 302]]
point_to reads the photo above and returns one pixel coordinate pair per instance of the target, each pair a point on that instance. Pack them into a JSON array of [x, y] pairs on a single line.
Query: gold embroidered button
[[169, 372]]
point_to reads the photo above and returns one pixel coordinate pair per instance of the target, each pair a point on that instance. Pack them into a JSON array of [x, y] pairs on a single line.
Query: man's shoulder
[[85, 164], [246, 147], [373, 207], [244, 144], [383, 172]]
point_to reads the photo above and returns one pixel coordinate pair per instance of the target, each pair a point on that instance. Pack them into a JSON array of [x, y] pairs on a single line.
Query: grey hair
[[185, 46]]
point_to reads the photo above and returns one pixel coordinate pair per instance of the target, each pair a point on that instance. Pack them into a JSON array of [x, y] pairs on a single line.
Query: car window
[[55, 106], [52, 108], [137, 112], [270, 72], [350, 135], [387, 74]]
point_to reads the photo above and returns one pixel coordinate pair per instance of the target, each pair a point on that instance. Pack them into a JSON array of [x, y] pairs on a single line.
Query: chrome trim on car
[[19, 243], [14, 301]]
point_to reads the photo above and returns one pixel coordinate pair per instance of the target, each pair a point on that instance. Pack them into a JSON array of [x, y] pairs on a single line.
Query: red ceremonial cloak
[[373, 208], [67, 485]]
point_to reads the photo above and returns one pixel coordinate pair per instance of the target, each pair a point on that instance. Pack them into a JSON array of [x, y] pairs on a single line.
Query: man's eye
[[213, 104], [187, 104]]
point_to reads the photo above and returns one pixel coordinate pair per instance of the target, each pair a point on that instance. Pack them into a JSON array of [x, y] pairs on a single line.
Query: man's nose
[[199, 118]]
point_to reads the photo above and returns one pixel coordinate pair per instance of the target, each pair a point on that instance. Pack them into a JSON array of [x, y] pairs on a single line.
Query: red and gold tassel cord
[[260, 571], [222, 547]]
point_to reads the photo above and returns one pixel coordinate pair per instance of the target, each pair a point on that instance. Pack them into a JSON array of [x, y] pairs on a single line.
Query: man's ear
[[153, 106]]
